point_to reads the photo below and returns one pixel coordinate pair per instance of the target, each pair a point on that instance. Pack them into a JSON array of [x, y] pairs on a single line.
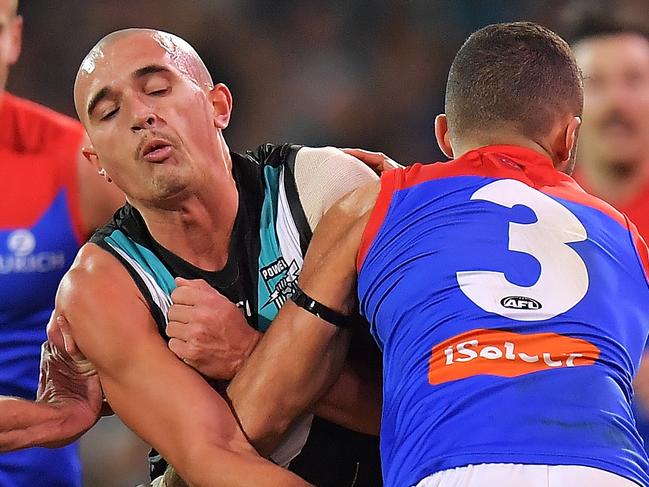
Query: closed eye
[[110, 114], [161, 92]]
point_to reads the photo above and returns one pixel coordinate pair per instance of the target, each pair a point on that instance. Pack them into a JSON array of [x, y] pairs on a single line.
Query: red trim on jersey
[[389, 181], [511, 162], [39, 149], [496, 161], [640, 245], [70, 179]]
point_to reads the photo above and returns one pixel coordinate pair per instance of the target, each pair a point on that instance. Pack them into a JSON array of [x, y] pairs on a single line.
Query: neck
[[198, 226], [468, 144], [616, 183]]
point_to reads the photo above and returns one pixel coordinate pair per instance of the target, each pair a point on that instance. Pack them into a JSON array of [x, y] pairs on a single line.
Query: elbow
[[264, 431]]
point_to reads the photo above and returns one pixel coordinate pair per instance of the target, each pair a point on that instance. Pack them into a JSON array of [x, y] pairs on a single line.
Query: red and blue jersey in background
[[512, 309], [40, 233]]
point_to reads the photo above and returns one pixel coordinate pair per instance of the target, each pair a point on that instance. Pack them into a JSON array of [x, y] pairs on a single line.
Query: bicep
[[164, 401]]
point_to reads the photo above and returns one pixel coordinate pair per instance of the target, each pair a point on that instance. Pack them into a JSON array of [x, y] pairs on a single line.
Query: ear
[[568, 144], [221, 99], [91, 156], [16, 39], [442, 135]]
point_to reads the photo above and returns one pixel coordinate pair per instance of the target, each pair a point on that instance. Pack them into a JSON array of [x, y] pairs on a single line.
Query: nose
[[144, 119]]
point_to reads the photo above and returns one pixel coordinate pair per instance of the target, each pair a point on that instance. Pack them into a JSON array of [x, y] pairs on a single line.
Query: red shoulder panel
[[39, 149], [389, 183]]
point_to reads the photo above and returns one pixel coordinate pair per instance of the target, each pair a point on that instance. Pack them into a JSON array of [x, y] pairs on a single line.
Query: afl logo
[[520, 302], [21, 242]]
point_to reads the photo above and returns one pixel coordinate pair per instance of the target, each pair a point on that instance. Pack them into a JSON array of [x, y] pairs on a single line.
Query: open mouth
[[156, 150]]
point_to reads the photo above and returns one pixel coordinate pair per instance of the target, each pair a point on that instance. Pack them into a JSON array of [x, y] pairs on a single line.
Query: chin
[[169, 188]]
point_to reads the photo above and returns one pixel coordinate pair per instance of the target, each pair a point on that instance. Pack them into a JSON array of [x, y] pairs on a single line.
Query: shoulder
[[43, 130], [323, 175], [331, 159], [95, 280]]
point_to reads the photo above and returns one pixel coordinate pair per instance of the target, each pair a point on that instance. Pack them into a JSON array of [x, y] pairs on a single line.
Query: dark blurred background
[[362, 73], [365, 73]]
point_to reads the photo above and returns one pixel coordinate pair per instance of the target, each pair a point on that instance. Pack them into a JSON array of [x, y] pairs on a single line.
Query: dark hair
[[586, 19], [519, 76]]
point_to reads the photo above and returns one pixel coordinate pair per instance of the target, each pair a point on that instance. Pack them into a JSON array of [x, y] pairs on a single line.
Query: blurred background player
[[51, 201], [611, 43]]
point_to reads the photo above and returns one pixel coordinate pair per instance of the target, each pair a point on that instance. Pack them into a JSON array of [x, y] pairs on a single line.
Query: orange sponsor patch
[[506, 354]]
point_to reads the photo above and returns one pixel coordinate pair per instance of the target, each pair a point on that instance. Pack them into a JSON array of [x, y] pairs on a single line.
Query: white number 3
[[563, 280]]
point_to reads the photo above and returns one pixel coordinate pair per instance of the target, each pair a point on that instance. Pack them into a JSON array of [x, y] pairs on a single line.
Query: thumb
[[68, 340]]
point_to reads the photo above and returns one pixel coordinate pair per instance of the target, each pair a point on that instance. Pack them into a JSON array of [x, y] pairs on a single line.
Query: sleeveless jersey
[[269, 239], [512, 309], [40, 233]]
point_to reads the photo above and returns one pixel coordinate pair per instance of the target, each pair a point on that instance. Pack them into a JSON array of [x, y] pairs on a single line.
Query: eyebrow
[[151, 69], [99, 96], [138, 73]]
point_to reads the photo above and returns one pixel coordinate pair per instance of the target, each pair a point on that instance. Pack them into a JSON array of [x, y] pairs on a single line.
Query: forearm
[[267, 399], [354, 401], [213, 466], [25, 423]]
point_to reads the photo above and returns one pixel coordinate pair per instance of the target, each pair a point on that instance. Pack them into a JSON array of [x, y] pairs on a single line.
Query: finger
[[360, 152], [54, 335], [179, 331], [181, 313], [68, 340], [372, 159], [194, 283], [185, 295], [392, 164], [179, 347]]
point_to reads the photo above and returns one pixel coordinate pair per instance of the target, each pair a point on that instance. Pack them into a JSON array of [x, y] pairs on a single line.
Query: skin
[[173, 102], [298, 339], [209, 333], [63, 413], [152, 91], [615, 133]]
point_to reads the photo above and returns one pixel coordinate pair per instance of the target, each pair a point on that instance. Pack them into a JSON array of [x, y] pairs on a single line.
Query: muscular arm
[[25, 423], [68, 403], [307, 353], [165, 402], [324, 175]]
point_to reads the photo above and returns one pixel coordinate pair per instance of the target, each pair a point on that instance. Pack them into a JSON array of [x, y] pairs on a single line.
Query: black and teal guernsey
[[269, 239]]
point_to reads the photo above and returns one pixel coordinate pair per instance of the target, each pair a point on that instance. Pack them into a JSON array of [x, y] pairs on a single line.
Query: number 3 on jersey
[[563, 280]]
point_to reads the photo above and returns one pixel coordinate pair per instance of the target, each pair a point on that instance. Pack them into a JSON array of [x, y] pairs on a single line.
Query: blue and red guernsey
[[40, 233], [512, 309]]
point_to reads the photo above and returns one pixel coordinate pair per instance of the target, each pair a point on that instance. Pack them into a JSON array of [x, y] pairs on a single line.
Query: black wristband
[[309, 304]]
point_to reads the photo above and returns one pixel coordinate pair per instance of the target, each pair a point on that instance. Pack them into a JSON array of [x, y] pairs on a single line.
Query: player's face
[[616, 99], [10, 33], [151, 125]]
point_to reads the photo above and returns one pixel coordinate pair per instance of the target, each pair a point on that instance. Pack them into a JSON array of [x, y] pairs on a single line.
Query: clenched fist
[[207, 331]]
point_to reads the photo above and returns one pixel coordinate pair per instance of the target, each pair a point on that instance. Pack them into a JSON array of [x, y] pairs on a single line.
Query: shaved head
[[176, 51], [139, 91]]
